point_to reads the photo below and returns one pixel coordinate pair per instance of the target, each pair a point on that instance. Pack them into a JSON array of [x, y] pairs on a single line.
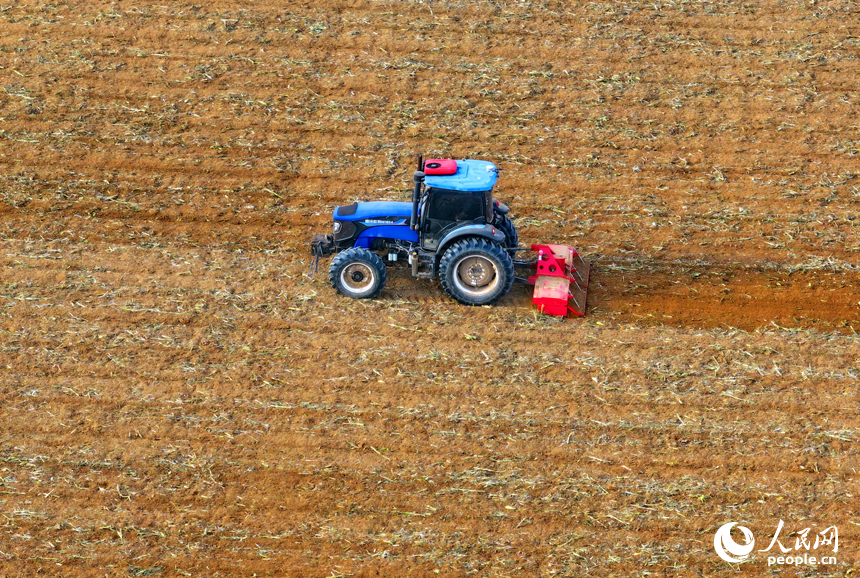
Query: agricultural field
[[180, 399]]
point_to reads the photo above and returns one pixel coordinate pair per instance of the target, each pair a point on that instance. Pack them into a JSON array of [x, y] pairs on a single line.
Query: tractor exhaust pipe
[[418, 177]]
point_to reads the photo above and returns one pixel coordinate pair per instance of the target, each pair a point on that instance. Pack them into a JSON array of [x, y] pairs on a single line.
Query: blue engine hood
[[392, 211]]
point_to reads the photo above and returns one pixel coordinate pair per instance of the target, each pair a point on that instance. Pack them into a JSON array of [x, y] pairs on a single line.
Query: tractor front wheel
[[357, 273], [475, 271]]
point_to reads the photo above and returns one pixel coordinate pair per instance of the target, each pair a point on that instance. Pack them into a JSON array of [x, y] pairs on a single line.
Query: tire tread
[[353, 254], [475, 245]]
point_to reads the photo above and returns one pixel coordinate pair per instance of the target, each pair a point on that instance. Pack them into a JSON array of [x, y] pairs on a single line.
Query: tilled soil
[[179, 398]]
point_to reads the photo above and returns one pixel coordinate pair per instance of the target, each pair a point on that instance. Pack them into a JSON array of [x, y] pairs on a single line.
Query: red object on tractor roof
[[440, 167], [560, 280]]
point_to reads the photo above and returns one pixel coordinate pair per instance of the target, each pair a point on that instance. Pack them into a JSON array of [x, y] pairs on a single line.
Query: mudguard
[[486, 231]]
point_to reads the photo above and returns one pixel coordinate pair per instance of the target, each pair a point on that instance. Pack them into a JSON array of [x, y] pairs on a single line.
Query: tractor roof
[[471, 175]]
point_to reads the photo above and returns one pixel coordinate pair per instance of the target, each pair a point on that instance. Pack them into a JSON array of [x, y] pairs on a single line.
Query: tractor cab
[[455, 193]]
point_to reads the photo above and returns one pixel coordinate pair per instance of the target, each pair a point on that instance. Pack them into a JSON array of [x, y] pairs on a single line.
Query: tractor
[[453, 230]]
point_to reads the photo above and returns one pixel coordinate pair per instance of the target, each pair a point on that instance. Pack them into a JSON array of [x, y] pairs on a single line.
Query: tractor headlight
[[343, 230]]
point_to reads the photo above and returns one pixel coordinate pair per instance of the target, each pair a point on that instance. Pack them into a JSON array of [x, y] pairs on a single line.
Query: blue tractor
[[453, 229]]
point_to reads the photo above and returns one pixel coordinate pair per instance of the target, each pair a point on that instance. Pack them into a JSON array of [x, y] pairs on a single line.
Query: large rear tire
[[357, 273], [511, 237], [475, 271]]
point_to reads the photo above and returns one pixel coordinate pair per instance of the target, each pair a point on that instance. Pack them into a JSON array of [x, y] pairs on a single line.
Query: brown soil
[[178, 399]]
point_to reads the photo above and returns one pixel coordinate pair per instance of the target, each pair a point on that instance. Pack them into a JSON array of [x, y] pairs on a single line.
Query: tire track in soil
[[739, 296]]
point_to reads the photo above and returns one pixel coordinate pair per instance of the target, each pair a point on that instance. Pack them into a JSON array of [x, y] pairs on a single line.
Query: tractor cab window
[[456, 205], [445, 209]]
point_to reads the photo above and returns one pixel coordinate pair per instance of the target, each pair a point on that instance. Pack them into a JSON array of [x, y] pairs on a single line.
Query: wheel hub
[[476, 275], [357, 277], [474, 271]]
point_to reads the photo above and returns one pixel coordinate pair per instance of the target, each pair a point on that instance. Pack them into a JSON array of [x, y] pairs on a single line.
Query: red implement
[[560, 280]]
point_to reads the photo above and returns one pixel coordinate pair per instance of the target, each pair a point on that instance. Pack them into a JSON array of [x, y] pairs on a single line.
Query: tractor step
[[560, 280]]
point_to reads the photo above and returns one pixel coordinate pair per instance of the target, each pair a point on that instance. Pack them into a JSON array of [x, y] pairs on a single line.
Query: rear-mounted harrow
[[560, 279]]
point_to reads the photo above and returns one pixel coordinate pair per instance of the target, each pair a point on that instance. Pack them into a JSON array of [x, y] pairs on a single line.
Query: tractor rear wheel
[[357, 273], [475, 271], [510, 231]]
